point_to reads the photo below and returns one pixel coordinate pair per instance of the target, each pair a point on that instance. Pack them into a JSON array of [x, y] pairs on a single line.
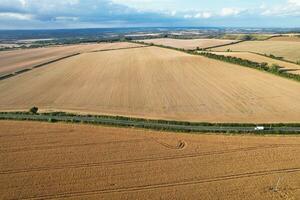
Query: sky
[[57, 14]]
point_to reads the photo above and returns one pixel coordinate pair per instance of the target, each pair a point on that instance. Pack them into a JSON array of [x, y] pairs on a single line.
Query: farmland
[[154, 82], [188, 44], [286, 38], [47, 161], [15, 60], [289, 50], [287, 66]]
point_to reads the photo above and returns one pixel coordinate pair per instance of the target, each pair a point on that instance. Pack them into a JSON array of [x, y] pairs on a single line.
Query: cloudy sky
[[50, 14]]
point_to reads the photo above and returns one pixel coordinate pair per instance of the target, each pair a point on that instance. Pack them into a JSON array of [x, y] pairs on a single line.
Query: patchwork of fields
[[287, 66], [188, 44], [15, 60], [154, 82], [57, 161], [289, 50]]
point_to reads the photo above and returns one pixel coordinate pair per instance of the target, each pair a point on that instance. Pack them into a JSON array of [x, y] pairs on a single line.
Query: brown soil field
[[11, 61], [286, 38], [155, 82], [289, 67], [67, 161], [188, 44], [287, 49]]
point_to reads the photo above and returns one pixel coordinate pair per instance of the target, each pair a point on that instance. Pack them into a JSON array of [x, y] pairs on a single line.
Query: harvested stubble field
[[188, 44], [286, 38], [289, 50], [51, 161], [154, 82], [287, 66], [11, 61]]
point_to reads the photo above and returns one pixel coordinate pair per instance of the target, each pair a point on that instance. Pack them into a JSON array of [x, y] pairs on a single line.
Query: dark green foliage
[[34, 110], [247, 37], [51, 120], [274, 57], [274, 69]]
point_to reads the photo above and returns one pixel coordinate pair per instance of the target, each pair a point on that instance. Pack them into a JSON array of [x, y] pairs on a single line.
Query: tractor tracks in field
[[193, 181], [40, 148], [180, 145], [142, 160]]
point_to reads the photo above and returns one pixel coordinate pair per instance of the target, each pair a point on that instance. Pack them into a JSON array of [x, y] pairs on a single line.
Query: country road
[[157, 125]]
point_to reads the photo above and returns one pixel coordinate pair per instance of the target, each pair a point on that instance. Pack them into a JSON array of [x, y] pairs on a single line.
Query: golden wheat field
[[154, 82], [289, 50], [65, 161], [188, 44], [11, 61], [286, 66]]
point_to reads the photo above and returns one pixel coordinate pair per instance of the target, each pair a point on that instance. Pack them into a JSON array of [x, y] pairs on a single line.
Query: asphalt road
[[152, 125]]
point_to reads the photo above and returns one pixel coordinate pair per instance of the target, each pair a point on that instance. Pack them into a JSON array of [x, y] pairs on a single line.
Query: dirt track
[[46, 161], [20, 59]]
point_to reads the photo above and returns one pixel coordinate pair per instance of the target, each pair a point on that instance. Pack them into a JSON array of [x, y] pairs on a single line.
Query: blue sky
[[50, 14]]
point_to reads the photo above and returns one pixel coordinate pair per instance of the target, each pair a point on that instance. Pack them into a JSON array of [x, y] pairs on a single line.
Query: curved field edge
[[235, 60], [152, 124]]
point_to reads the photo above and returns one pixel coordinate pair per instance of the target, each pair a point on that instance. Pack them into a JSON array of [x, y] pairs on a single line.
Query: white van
[[259, 128]]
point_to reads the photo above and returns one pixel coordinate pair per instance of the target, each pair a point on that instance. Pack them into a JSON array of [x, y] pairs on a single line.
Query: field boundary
[[6, 76], [252, 64], [234, 60], [160, 125], [222, 45], [21, 71], [101, 50]]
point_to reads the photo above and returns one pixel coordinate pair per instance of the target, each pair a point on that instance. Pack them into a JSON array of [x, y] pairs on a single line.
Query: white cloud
[[294, 2], [187, 16], [204, 15], [291, 8], [16, 16], [230, 11], [65, 18]]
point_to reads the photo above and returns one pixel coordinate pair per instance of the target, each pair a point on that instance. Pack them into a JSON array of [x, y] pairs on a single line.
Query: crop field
[[57, 161], [289, 50], [153, 82], [188, 44], [286, 38], [287, 66], [11, 61]]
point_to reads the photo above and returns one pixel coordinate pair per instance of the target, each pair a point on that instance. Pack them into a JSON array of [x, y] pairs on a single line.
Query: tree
[[247, 37], [34, 110], [275, 68]]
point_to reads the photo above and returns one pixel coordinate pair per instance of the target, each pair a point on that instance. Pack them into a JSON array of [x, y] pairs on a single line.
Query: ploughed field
[[289, 50], [154, 82], [11, 61], [286, 66], [57, 161], [188, 44]]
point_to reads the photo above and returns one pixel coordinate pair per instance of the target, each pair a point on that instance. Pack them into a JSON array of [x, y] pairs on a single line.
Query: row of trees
[[274, 69]]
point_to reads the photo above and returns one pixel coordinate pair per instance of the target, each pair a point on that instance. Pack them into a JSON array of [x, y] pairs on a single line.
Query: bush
[[275, 68], [34, 110], [52, 120]]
